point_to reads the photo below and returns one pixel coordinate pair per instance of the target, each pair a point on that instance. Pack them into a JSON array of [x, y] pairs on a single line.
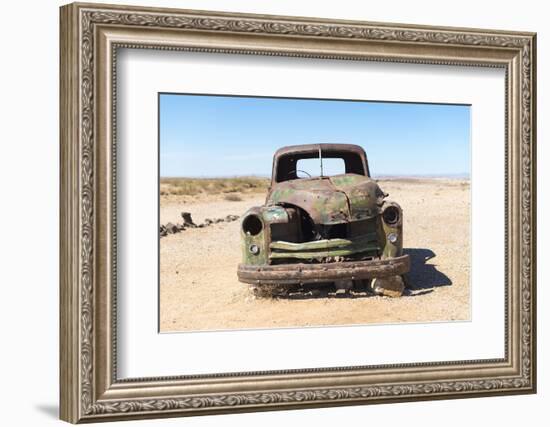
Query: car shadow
[[424, 276]]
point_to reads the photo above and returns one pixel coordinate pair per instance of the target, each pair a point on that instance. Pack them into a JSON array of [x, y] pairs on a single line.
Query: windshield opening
[[290, 165], [314, 168]]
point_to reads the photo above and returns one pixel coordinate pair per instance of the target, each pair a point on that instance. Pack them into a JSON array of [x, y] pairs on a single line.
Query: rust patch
[[320, 273]]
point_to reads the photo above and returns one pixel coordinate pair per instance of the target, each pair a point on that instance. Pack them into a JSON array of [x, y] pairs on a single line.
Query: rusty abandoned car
[[338, 229]]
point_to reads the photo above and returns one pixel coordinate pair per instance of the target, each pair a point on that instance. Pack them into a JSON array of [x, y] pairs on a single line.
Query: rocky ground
[[199, 289]]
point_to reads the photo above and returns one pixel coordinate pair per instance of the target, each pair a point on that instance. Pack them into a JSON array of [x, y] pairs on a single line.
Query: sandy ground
[[199, 289]]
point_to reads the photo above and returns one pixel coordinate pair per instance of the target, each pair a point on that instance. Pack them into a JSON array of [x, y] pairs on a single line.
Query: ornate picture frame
[[90, 37]]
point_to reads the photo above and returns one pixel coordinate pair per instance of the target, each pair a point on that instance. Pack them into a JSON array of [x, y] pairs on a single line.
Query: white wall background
[[29, 170]]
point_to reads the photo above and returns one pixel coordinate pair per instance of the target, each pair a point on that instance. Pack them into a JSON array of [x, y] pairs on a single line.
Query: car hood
[[331, 200]]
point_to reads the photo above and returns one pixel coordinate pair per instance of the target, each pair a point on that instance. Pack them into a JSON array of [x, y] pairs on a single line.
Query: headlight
[[391, 215], [254, 249], [392, 238], [252, 225]]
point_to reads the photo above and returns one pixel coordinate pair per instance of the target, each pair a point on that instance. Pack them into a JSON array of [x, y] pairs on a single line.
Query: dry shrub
[[194, 186], [233, 197]]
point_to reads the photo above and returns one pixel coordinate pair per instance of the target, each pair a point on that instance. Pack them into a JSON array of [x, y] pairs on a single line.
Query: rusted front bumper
[[289, 274]]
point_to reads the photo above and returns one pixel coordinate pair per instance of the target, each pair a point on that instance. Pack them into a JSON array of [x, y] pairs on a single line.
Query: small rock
[[230, 218], [340, 293], [218, 220], [171, 228], [187, 220], [208, 221]]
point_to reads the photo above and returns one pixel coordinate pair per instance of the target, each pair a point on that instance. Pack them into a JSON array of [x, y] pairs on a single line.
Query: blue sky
[[221, 136]]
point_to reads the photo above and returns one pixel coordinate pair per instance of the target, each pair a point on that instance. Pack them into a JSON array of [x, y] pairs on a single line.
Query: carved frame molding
[[90, 37]]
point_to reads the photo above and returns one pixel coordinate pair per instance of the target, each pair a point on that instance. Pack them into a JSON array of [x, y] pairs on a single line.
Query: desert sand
[[199, 289]]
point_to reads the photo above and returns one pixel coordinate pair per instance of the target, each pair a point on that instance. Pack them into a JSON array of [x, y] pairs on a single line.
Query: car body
[[337, 229]]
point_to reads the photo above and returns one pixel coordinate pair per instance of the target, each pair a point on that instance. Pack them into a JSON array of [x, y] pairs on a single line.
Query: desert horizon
[[192, 186], [464, 175]]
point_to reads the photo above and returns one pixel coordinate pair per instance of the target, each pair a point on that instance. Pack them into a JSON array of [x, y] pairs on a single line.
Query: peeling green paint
[[274, 214], [364, 194], [333, 200], [324, 244], [392, 250], [326, 253], [260, 240], [325, 248]]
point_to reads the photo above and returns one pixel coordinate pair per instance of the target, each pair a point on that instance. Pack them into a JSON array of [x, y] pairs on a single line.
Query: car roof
[[348, 152], [325, 147]]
